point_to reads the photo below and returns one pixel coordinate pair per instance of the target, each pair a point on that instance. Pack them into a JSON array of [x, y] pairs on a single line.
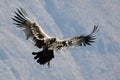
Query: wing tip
[[89, 39], [20, 16]]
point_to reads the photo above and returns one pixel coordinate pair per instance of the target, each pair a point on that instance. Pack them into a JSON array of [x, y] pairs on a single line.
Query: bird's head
[[53, 39]]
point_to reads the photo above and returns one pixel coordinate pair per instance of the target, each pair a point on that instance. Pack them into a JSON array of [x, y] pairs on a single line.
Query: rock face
[[64, 19]]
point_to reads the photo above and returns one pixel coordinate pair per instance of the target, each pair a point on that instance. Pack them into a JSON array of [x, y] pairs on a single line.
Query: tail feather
[[44, 56]]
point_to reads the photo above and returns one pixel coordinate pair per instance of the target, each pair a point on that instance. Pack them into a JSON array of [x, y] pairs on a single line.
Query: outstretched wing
[[32, 31], [82, 40]]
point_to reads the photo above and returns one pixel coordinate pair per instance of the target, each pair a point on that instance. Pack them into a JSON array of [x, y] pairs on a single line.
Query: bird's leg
[[48, 64]]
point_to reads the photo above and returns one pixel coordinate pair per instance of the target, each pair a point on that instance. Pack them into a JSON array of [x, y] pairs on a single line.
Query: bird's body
[[34, 33]]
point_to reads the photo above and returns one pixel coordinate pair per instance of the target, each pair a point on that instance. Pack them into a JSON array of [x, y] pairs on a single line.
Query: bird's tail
[[44, 56]]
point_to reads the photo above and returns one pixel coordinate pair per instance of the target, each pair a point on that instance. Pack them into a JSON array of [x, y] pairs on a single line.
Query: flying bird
[[47, 44]]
